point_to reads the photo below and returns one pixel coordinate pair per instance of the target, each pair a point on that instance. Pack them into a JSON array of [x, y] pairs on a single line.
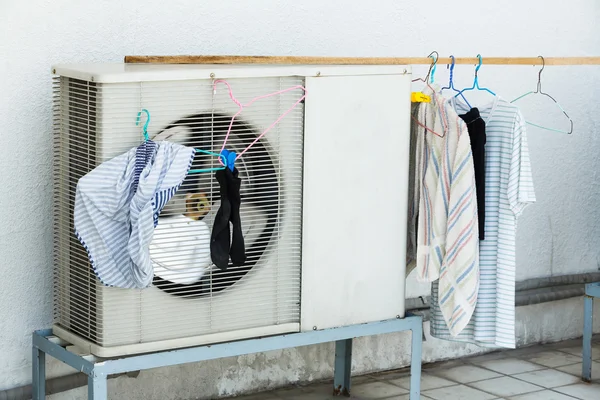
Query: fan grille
[[190, 297]]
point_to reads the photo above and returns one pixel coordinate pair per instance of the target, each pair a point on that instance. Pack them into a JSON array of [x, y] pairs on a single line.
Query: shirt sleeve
[[520, 181]]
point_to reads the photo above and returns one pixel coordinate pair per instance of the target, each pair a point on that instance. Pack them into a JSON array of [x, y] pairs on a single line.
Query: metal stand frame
[[99, 369], [591, 290]]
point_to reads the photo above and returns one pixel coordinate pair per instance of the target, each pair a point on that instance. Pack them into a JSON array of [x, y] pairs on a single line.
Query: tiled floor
[[549, 372]]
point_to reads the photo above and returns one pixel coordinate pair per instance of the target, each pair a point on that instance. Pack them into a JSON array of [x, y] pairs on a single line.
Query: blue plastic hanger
[[475, 81], [451, 82], [539, 91], [137, 122], [223, 157], [431, 80]]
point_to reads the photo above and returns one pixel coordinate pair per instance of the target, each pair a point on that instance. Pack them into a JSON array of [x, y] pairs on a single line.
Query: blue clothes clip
[[230, 156]]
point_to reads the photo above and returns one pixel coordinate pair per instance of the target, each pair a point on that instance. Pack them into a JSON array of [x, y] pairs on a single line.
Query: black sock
[[238, 249], [219, 239]]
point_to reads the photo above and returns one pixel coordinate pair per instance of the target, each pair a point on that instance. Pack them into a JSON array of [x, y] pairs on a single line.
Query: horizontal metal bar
[[40, 340], [200, 59], [209, 352]]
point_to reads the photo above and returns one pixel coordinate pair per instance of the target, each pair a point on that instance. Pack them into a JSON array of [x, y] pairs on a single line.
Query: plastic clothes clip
[[230, 156], [418, 97]]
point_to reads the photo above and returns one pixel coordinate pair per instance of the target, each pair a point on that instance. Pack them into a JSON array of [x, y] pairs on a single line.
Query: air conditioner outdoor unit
[[324, 199]]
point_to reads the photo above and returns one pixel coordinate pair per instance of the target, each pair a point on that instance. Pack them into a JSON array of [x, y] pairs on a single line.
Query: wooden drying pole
[[292, 60]]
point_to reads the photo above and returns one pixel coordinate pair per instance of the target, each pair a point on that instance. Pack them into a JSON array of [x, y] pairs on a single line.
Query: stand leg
[[343, 364], [415, 362], [97, 388], [38, 361], [588, 312]]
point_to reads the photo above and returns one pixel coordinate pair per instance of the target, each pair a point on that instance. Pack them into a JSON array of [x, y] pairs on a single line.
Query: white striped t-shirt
[[508, 190], [117, 206]]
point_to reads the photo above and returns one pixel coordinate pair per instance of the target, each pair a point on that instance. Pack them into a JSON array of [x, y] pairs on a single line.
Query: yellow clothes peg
[[418, 97]]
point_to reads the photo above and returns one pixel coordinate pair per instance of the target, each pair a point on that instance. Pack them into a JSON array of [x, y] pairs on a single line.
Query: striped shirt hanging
[[447, 248], [508, 190], [117, 206]]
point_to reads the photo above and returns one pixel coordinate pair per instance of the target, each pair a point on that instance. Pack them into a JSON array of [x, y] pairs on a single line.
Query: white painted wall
[[560, 234]]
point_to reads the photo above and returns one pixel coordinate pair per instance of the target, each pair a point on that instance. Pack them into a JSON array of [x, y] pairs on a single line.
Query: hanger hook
[[478, 65], [539, 84], [137, 122], [433, 65], [452, 69], [453, 62]]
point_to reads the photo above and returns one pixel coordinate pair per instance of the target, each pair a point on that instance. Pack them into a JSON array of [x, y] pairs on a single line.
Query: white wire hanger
[[538, 90]]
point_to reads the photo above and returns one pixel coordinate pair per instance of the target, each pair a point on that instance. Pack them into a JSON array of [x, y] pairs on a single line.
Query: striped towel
[[447, 232], [117, 206]]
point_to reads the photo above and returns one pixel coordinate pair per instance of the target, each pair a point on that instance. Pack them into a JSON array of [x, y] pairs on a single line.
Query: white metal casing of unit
[[355, 200], [342, 166]]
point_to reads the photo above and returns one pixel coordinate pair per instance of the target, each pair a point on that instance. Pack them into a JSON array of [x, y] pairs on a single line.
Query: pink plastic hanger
[[435, 101], [242, 106], [426, 80]]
